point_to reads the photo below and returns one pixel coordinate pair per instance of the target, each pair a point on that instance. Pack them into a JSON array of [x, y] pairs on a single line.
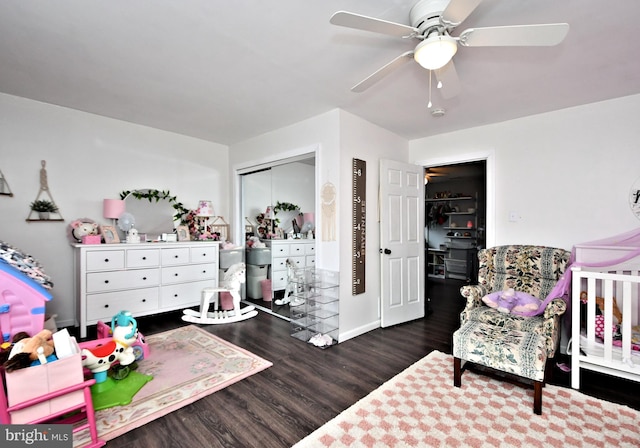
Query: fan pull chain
[[429, 103]]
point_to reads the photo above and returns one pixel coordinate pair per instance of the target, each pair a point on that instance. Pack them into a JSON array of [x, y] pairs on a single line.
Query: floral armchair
[[531, 269]]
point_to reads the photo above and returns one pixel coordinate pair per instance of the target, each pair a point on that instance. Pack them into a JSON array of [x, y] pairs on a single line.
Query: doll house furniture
[[510, 343], [22, 302]]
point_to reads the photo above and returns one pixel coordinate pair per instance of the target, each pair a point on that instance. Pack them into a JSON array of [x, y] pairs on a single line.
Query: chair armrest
[[556, 307], [551, 325], [474, 295]]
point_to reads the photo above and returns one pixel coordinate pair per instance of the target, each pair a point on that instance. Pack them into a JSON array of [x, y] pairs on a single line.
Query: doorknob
[[387, 251]]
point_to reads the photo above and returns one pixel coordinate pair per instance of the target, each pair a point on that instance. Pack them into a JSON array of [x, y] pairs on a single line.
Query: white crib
[[621, 282]]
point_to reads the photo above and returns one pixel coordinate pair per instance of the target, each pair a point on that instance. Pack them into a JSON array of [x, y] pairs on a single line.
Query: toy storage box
[[229, 257], [259, 256], [36, 381]]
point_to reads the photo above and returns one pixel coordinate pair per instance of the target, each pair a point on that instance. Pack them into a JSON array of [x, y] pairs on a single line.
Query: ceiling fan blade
[[448, 76], [357, 21], [518, 35], [382, 72], [457, 11]]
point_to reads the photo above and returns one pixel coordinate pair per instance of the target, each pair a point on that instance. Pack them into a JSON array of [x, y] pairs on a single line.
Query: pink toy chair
[[85, 409]]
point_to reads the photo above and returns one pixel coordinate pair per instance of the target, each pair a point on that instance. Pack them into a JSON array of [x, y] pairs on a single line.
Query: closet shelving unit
[[457, 260]]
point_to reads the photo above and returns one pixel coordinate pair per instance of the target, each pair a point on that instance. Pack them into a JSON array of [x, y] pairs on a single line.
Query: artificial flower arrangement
[[197, 230]]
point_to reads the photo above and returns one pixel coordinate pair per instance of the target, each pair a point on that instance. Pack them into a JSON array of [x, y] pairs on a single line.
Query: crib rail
[[600, 354]]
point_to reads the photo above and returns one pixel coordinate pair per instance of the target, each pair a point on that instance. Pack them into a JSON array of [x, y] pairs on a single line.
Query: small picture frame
[[183, 233], [109, 234], [248, 229]]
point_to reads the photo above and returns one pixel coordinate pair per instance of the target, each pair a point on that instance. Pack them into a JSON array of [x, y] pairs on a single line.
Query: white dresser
[[145, 278], [302, 252]]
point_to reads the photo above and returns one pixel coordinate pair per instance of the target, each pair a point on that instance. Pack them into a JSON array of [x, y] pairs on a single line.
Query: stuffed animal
[[132, 236], [81, 227], [511, 301], [27, 351], [600, 304]]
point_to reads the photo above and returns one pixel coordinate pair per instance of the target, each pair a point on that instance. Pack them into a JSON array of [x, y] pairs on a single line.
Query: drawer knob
[[106, 260], [106, 281], [204, 272], [106, 306], [144, 300], [175, 256], [144, 258], [144, 278], [175, 295], [175, 275]]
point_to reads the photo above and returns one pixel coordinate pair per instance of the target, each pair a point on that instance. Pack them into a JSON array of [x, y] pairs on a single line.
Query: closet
[[455, 220]]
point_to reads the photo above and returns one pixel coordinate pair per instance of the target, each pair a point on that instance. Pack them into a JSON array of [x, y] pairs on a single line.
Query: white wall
[[319, 134], [89, 158], [340, 137], [362, 140], [567, 174]]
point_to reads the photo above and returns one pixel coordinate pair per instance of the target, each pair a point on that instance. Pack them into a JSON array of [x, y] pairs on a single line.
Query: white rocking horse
[[293, 286], [233, 278]]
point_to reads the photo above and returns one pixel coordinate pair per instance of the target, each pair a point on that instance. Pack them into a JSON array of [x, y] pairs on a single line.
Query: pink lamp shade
[[205, 209], [113, 208]]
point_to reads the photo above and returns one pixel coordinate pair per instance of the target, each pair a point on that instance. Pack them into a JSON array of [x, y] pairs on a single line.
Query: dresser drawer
[[205, 254], [279, 264], [310, 261], [185, 294], [298, 261], [190, 273], [309, 249], [278, 280], [143, 258], [279, 250], [104, 306], [296, 249], [110, 281], [172, 256], [105, 259]]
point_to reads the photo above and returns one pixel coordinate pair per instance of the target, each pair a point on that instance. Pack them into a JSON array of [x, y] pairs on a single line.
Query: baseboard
[[358, 331]]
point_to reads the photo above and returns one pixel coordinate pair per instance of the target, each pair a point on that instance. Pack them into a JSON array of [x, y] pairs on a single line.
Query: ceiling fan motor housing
[[425, 15]]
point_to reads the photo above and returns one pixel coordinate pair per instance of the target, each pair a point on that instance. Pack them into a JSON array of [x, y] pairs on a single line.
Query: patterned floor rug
[[420, 407], [186, 364]]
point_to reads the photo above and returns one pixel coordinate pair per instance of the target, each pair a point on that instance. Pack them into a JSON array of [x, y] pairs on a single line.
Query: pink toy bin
[[32, 382]]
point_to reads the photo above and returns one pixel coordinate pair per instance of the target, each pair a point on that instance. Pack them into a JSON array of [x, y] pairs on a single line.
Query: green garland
[[284, 207], [157, 195]]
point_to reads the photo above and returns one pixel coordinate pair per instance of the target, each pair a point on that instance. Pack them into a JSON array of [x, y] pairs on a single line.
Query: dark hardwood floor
[[307, 386]]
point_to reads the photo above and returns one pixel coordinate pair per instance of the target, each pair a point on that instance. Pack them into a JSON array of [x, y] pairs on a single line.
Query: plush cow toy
[[100, 358]]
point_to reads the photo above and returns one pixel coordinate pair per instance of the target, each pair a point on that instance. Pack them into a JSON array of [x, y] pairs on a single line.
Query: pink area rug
[[420, 407], [186, 364]]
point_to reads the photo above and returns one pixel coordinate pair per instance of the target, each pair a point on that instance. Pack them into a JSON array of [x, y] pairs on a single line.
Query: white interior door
[[401, 242]]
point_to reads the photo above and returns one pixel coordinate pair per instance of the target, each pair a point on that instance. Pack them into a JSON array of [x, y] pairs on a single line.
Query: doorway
[[455, 225]]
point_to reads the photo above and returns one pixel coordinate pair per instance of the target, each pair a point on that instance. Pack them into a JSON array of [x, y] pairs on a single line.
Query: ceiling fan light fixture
[[435, 51]]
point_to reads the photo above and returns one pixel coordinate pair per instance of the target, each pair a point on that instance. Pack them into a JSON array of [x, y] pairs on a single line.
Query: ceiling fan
[[432, 22]]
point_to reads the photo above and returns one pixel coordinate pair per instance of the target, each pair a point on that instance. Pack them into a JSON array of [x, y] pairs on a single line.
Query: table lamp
[[205, 210], [112, 209]]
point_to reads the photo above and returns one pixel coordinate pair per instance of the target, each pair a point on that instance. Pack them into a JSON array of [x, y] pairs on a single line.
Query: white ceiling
[[226, 71]]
